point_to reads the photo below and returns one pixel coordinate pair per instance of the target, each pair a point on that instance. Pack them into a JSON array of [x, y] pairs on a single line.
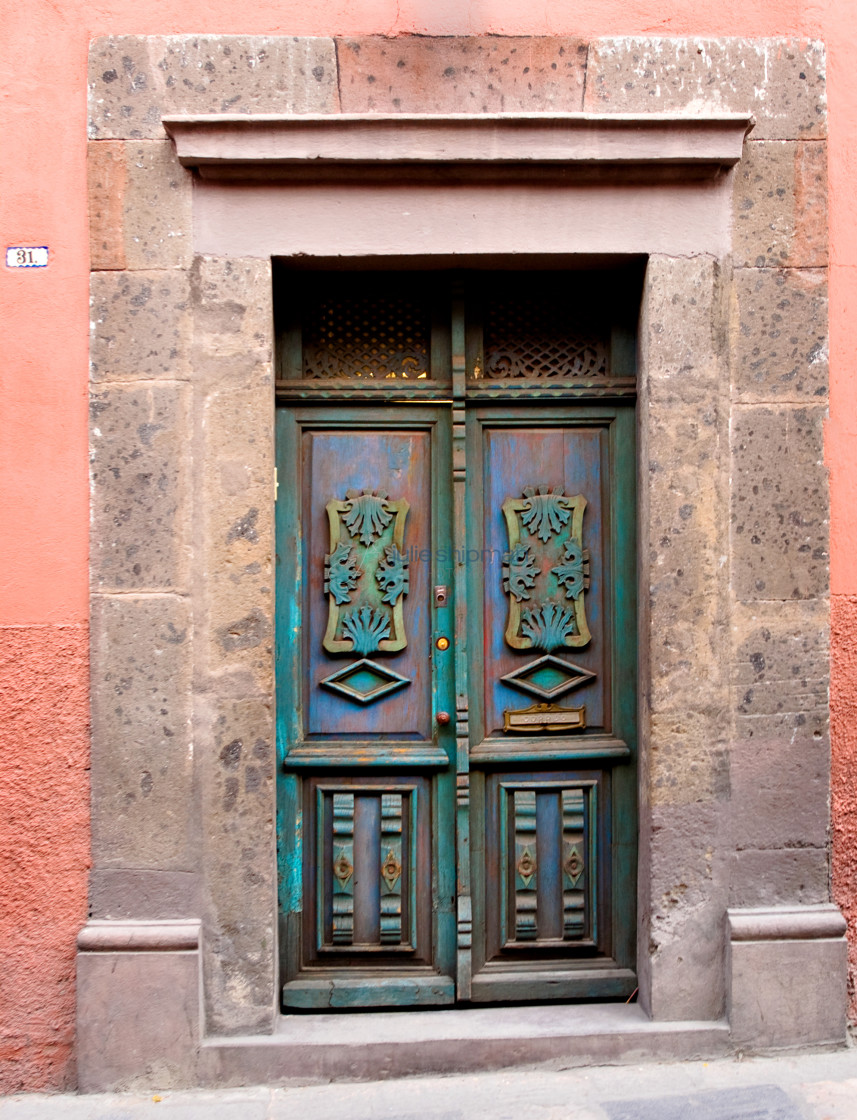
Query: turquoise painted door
[[455, 637]]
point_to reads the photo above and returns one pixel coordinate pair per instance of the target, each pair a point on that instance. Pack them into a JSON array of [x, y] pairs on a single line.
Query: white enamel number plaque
[[27, 256]]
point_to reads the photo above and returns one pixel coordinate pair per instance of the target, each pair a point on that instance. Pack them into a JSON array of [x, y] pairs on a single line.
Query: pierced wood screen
[[377, 335], [543, 335]]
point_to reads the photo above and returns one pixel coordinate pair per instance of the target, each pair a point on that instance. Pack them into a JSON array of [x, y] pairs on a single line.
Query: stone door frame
[[185, 878]]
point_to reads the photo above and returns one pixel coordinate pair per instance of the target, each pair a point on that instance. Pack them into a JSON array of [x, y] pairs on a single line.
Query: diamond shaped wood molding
[[549, 677], [364, 681]]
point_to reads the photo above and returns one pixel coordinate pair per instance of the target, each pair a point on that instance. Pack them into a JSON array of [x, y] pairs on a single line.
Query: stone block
[[107, 176], [142, 750], [779, 205], [779, 794], [688, 756], [118, 892], [139, 440], [684, 545], [140, 325], [682, 973], [786, 992], [779, 506], [780, 670], [233, 323], [684, 412], [137, 1020], [157, 207], [233, 318], [461, 74], [780, 756], [136, 80], [238, 496], [779, 335], [775, 877], [682, 334], [236, 740], [781, 81], [140, 206]]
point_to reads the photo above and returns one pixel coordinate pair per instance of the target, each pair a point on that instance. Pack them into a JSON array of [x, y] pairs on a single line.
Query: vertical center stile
[[462, 727]]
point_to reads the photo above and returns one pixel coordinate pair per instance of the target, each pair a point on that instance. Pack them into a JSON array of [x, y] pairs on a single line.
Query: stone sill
[[370, 1045], [236, 145]]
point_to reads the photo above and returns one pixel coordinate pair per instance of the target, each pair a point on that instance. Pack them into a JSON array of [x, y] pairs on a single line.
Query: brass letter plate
[[544, 717]]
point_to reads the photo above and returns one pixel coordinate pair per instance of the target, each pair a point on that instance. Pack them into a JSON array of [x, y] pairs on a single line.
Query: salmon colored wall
[[43, 454], [44, 848]]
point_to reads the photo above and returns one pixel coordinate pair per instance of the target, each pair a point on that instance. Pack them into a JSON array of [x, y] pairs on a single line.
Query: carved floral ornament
[[546, 577], [366, 579], [547, 569], [366, 571]]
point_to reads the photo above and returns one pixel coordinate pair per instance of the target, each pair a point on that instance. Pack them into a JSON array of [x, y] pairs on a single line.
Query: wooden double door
[[455, 641]]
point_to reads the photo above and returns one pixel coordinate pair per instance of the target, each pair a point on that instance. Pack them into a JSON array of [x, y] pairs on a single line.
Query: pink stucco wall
[[43, 453]]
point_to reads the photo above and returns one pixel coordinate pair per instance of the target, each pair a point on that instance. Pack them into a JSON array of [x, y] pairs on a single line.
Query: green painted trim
[[370, 755], [585, 984], [510, 751], [624, 778], [379, 991]]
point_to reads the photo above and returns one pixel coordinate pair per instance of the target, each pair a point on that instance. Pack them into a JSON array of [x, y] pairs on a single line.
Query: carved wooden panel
[[546, 580], [342, 902], [366, 589], [366, 580], [525, 866], [368, 869], [545, 528], [548, 861], [550, 896]]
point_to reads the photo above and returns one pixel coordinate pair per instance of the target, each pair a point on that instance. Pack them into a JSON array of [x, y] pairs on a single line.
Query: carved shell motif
[[366, 574], [546, 570]]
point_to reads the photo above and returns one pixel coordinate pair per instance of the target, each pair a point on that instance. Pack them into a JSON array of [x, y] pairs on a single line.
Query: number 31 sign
[[27, 256]]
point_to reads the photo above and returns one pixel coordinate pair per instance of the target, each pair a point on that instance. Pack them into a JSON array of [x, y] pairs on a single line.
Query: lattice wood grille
[[543, 335], [375, 335]]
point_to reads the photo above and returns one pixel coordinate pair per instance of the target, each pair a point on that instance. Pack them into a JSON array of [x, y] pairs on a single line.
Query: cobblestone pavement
[[794, 1087]]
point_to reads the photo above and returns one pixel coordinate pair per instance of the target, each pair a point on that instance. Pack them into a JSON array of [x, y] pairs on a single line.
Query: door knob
[[442, 718]]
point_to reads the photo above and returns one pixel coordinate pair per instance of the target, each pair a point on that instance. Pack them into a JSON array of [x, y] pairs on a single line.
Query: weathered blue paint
[[454, 452]]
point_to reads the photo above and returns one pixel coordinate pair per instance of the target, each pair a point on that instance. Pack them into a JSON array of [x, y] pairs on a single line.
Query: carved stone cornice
[[577, 145]]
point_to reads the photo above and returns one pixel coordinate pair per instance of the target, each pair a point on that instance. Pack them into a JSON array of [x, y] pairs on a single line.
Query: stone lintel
[[230, 144], [128, 936]]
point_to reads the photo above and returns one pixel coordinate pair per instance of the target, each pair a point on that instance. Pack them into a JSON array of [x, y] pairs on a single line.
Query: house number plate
[[27, 256]]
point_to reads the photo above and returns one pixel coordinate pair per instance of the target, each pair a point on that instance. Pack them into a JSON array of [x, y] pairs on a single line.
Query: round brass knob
[[442, 643], [443, 718]]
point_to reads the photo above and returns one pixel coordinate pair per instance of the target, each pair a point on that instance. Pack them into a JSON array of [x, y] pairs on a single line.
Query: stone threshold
[[366, 1046]]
